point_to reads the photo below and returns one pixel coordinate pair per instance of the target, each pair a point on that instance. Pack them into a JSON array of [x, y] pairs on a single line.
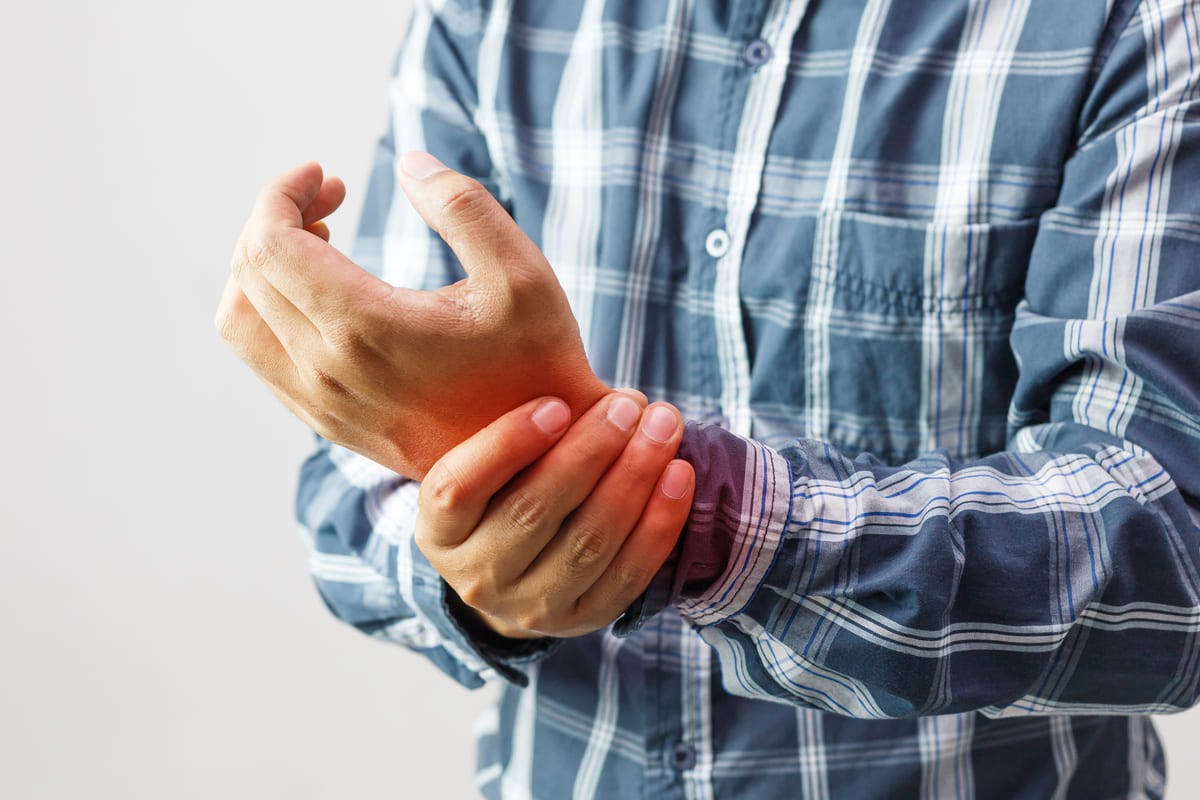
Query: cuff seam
[[498, 652], [756, 542]]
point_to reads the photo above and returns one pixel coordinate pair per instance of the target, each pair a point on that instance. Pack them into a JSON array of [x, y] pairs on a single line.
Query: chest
[[765, 206]]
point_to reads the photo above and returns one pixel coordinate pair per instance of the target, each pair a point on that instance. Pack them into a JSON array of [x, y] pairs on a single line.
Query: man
[[922, 281]]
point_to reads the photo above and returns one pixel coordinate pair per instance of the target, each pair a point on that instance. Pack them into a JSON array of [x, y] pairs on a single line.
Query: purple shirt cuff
[[741, 505]]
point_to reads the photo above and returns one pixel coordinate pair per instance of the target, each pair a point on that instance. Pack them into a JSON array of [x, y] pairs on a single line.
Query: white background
[[159, 636]]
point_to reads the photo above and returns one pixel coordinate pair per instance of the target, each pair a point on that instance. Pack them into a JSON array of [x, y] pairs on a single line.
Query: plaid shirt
[[928, 272]]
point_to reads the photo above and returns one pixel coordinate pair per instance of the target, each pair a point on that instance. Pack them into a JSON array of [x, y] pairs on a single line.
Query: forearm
[[1061, 575], [1039, 582]]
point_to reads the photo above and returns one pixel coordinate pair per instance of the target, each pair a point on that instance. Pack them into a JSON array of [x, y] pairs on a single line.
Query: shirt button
[[716, 244], [757, 53], [681, 756]]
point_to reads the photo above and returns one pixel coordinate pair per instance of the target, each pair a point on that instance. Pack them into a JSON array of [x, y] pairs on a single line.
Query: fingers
[[523, 518], [281, 202], [293, 330], [252, 339], [645, 549], [319, 229], [514, 559], [636, 394], [285, 244], [459, 486], [298, 197], [485, 238], [592, 535], [329, 198]]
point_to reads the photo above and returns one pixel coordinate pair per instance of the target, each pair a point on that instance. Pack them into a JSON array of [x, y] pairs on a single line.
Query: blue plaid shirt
[[930, 273]]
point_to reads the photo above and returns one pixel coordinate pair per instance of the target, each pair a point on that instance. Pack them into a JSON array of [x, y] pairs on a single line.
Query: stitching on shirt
[[914, 302]]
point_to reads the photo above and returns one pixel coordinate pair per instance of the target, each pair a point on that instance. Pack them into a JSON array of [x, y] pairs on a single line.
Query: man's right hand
[[550, 530], [398, 375]]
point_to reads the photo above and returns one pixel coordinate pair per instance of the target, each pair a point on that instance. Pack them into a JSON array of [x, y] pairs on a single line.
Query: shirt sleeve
[[358, 517], [1061, 576]]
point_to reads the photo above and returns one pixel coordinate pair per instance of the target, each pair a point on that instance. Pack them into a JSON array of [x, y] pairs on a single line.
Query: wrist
[[720, 461], [502, 628], [702, 553], [749, 489], [484, 626], [506, 655]]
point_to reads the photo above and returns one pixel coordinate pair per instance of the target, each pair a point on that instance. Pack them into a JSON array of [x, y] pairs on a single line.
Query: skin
[[403, 374], [548, 500], [555, 531]]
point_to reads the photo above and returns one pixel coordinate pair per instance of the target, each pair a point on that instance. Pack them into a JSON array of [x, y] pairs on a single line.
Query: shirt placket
[[680, 734], [757, 80]]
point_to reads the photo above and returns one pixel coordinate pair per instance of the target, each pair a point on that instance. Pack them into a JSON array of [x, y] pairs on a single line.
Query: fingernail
[[551, 417], [624, 413], [660, 424], [676, 480], [420, 165]]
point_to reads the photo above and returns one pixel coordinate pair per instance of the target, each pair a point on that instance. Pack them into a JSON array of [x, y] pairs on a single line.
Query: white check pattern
[[956, 328]]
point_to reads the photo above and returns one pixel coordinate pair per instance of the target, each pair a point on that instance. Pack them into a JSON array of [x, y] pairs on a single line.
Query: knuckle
[[257, 250], [467, 201], [536, 617], [631, 577], [526, 511], [587, 543], [442, 491], [478, 570], [473, 593]]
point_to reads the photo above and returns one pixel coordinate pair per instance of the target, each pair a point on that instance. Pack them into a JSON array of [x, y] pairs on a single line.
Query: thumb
[[487, 241]]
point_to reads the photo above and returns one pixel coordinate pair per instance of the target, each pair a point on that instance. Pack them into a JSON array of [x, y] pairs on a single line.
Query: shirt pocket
[[912, 319]]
